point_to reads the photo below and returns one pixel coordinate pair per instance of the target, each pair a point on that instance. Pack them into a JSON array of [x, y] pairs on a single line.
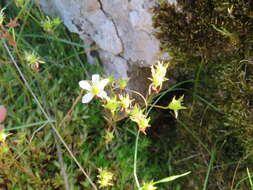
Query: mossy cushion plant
[[212, 40], [40, 81], [211, 30], [204, 27]]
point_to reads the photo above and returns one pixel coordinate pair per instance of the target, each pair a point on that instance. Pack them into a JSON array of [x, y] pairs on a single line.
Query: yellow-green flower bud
[[49, 25], [125, 102], [158, 75], [108, 136], [112, 104], [33, 60], [176, 105], [105, 178], [142, 120], [123, 83]]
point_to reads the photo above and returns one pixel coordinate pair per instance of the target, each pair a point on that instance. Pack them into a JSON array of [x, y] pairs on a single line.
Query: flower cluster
[[115, 103], [33, 60], [158, 72], [105, 178], [122, 103], [176, 105], [116, 99], [96, 87], [112, 104], [137, 115], [49, 25], [126, 102]]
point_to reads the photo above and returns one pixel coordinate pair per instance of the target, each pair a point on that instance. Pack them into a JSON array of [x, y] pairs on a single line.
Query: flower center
[[95, 90]]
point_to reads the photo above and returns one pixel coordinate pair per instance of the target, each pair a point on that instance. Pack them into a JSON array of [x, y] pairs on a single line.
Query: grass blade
[[250, 181], [30, 125], [54, 39], [210, 166]]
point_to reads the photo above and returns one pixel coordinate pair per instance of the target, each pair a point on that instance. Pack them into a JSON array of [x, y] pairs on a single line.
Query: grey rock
[[121, 29]]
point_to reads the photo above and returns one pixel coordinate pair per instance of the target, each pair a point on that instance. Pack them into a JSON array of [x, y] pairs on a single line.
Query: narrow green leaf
[[30, 125], [171, 178], [250, 181], [54, 39]]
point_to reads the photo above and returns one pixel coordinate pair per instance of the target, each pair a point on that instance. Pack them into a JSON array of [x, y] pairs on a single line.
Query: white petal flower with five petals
[[94, 88]]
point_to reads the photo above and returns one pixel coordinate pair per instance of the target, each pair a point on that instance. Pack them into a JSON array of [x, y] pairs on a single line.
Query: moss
[[217, 33], [205, 27], [212, 42], [235, 91]]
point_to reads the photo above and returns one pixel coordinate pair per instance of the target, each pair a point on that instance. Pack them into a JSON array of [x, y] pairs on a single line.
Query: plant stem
[[135, 160]]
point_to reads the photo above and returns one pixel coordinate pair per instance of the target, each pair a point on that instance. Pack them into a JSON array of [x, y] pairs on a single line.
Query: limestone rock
[[121, 29]]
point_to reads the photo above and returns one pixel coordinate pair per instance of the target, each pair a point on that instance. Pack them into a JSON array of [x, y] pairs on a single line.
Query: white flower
[[94, 88]]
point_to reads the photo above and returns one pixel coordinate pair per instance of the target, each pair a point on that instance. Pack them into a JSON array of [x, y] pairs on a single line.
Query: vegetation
[[50, 140], [211, 41], [67, 127]]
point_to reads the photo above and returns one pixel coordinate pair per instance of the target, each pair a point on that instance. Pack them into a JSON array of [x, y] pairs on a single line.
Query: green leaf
[[171, 178], [30, 125]]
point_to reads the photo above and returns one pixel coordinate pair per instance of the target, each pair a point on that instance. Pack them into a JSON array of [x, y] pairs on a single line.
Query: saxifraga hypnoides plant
[[115, 98]]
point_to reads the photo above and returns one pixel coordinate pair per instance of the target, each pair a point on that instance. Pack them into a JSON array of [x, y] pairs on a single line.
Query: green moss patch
[[211, 42]]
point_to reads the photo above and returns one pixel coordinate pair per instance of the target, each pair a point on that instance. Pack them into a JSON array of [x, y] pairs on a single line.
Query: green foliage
[[234, 80], [205, 28], [50, 59], [211, 42], [219, 34]]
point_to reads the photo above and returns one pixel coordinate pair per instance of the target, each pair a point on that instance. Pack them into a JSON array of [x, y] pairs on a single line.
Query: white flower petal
[[95, 78], [85, 85], [103, 83], [87, 98], [102, 94]]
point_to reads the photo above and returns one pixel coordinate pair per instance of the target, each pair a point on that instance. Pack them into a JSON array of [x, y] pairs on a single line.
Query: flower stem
[[135, 160], [161, 107]]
